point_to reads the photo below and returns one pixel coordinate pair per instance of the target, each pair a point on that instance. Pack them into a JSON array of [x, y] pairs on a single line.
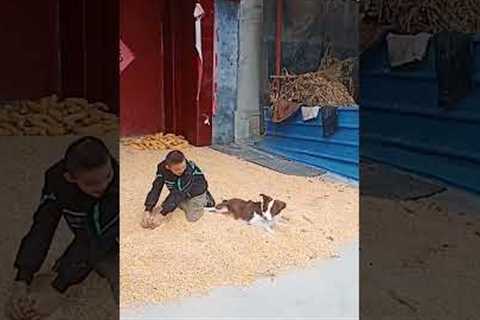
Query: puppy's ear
[[265, 197], [278, 206]]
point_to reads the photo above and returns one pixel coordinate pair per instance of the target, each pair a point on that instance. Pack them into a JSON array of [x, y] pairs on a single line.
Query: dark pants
[[108, 268]]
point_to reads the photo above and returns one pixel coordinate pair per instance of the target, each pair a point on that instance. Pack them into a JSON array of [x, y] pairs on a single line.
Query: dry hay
[[331, 84], [49, 116], [181, 259], [157, 141], [413, 16], [338, 70], [311, 89]]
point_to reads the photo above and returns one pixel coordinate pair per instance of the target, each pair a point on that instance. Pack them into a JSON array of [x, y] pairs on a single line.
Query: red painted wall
[[28, 54], [158, 88], [141, 84], [68, 47], [207, 93], [188, 115], [89, 50], [184, 108]]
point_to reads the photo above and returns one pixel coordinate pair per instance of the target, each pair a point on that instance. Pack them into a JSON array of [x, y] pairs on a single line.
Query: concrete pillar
[[247, 114], [226, 16]]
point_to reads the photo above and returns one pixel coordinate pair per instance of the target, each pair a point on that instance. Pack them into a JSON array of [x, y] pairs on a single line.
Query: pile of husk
[[413, 16], [50, 116], [157, 141], [331, 84]]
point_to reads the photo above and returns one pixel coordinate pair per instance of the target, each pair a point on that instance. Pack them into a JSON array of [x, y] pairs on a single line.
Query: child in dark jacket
[[83, 189], [188, 190]]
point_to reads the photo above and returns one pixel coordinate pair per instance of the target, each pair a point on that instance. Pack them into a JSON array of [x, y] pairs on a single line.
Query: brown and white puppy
[[248, 211], [240, 209], [271, 208]]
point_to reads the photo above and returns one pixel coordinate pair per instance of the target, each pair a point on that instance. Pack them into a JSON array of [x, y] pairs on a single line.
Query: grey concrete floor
[[327, 290]]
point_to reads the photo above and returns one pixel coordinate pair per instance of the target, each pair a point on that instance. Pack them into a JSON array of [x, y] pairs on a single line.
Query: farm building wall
[[29, 58], [159, 88], [142, 26], [51, 47]]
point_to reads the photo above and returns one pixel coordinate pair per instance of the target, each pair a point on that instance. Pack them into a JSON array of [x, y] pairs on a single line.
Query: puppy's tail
[[210, 210], [220, 208]]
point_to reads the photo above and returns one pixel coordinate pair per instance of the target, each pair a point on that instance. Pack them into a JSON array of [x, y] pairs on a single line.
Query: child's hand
[[158, 219], [147, 220], [45, 303], [18, 306]]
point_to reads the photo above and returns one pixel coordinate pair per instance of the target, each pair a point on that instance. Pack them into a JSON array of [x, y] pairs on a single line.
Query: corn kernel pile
[[157, 141], [49, 116]]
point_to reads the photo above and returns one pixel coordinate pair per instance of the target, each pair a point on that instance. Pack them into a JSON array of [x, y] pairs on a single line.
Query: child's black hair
[[86, 153], [174, 157]]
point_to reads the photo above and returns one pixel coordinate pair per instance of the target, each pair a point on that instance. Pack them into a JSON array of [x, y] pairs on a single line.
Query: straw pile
[[157, 141], [413, 16], [181, 259], [331, 84], [50, 117]]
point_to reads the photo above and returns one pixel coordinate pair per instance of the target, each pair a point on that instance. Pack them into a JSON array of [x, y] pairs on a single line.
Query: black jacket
[[191, 184], [94, 222]]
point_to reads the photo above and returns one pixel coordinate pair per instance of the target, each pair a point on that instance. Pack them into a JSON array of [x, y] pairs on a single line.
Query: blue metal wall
[[304, 142], [402, 124], [226, 17]]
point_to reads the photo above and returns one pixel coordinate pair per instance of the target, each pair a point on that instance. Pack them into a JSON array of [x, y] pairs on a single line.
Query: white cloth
[[309, 113], [404, 49], [198, 15]]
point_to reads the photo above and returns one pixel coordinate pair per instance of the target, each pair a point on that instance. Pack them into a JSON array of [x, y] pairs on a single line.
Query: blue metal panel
[[446, 149], [381, 84], [454, 138], [476, 59], [476, 52], [454, 171], [304, 142], [403, 130], [384, 88]]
